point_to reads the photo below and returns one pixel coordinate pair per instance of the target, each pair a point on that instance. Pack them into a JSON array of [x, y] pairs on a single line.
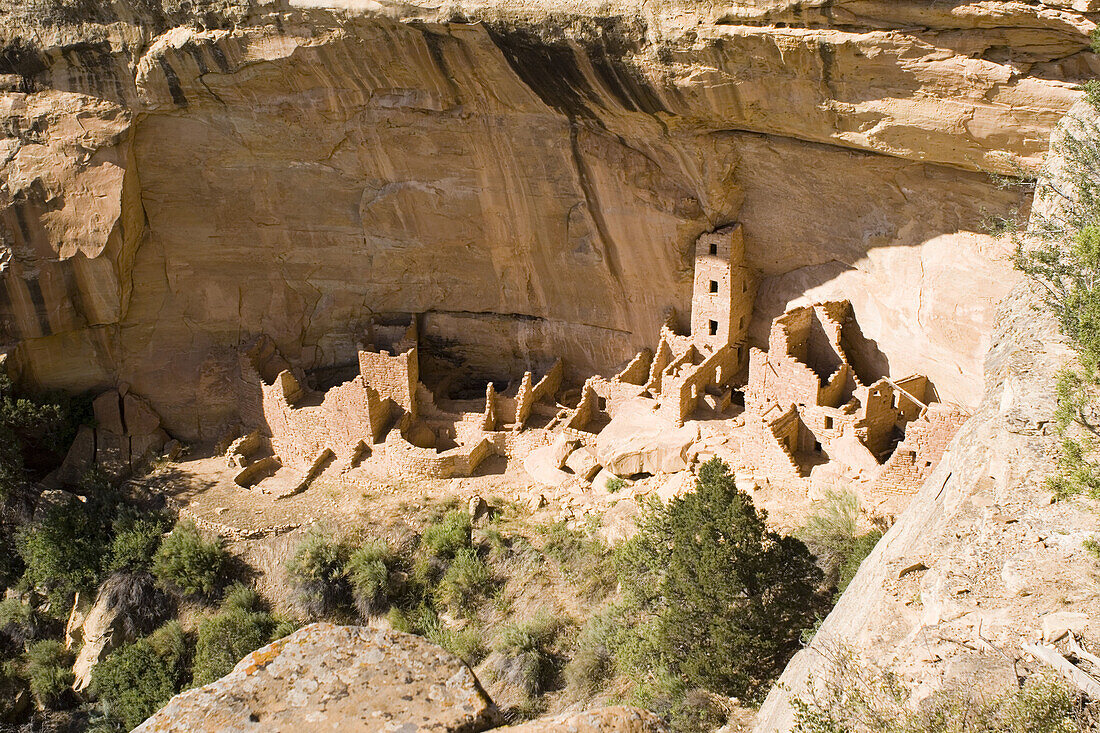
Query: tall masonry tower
[[724, 290]]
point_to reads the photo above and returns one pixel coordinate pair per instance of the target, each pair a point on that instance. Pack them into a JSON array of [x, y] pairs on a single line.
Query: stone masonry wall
[[921, 450], [766, 451], [342, 419], [395, 377]]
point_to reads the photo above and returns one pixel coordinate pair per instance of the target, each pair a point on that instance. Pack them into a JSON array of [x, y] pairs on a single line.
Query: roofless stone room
[[634, 367]]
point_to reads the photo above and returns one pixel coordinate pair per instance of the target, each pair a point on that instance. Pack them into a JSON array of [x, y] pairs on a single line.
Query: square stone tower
[[723, 292]]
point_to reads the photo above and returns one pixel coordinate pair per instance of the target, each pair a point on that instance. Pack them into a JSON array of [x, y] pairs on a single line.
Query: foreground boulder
[[356, 678], [336, 678]]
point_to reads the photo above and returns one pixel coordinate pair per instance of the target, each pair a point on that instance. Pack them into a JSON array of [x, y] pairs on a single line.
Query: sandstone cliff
[[178, 178], [982, 560]]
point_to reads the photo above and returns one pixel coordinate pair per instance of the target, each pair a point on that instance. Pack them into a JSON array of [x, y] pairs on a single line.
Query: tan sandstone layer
[[529, 177]]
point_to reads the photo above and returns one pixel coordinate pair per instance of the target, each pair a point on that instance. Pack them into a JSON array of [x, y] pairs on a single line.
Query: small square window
[[714, 286], [713, 328], [828, 423], [714, 248]]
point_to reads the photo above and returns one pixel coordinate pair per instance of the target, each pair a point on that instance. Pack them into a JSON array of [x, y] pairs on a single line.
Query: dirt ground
[[263, 529], [201, 486]]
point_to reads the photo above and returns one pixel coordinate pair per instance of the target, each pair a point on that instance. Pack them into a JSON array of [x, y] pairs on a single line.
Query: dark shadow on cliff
[[866, 358]]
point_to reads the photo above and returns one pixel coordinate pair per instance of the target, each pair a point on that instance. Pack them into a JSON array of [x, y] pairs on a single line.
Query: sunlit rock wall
[[176, 183]]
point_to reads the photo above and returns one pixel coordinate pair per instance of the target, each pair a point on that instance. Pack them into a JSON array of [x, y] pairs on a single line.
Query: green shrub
[[697, 711], [421, 619], [135, 542], [62, 550], [318, 576], [187, 564], [19, 620], [498, 544], [854, 697], [583, 557], [439, 543], [445, 538], [464, 584], [858, 552], [399, 620], [372, 572], [1060, 254], [524, 655], [593, 661], [242, 625], [468, 644], [134, 682], [11, 564], [12, 687], [48, 670], [832, 534], [35, 431], [719, 600], [615, 484]]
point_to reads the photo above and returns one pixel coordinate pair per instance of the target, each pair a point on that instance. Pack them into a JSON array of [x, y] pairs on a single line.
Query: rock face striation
[[180, 178]]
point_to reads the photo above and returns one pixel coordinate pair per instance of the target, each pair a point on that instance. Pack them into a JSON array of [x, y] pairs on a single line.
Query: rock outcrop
[[128, 604], [348, 678], [982, 560], [178, 179], [637, 440], [326, 677], [126, 437]]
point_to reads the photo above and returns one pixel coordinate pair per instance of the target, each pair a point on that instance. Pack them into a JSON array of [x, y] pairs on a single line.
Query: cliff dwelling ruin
[[797, 414]]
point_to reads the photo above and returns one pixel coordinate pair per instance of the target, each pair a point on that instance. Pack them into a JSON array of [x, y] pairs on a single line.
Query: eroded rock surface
[[637, 440], [338, 678], [178, 181]]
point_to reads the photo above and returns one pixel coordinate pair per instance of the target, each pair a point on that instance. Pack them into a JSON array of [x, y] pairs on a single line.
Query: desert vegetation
[[705, 604], [99, 543], [855, 696], [834, 533]]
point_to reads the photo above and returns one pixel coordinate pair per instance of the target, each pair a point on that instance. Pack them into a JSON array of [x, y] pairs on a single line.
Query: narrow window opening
[[713, 328], [741, 323], [744, 286], [828, 423], [714, 286], [714, 248]]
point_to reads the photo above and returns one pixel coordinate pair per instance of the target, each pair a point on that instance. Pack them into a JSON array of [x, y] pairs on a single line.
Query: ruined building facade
[[805, 409]]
